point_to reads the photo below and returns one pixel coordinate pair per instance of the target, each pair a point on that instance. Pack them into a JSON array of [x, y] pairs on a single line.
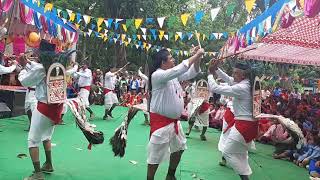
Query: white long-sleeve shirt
[[85, 77], [72, 70], [167, 98], [35, 76], [241, 93], [110, 80], [7, 70]]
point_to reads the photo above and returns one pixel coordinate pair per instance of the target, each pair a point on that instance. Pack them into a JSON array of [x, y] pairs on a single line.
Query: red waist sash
[[106, 91], [86, 87], [52, 111], [158, 121]]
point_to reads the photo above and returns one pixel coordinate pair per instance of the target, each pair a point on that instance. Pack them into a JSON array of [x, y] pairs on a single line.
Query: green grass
[[201, 158]]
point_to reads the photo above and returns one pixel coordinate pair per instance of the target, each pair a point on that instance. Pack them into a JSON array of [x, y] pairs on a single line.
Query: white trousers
[[41, 129], [84, 94]]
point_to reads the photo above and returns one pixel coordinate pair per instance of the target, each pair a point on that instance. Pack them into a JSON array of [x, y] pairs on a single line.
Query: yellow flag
[[203, 37], [102, 35], [176, 37], [139, 36], [161, 34], [72, 16], [48, 7], [100, 21], [77, 25], [249, 5], [126, 43], [198, 35], [184, 18], [123, 36], [144, 44], [99, 29], [137, 23], [105, 38], [124, 27], [181, 53]]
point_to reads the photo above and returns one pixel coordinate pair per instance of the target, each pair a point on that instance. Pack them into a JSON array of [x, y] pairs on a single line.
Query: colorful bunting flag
[[184, 18], [249, 5], [161, 21], [137, 23], [198, 17], [214, 12]]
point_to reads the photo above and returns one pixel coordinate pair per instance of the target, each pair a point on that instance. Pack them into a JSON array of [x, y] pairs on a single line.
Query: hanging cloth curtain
[[37, 21], [7, 6], [25, 18], [311, 7]]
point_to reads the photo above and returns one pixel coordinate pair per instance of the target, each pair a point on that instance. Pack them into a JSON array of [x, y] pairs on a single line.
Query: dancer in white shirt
[[30, 99], [84, 81], [8, 70], [166, 134], [244, 128], [110, 97], [44, 117]]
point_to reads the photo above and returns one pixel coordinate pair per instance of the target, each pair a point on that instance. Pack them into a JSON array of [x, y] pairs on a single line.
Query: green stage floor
[[72, 160]]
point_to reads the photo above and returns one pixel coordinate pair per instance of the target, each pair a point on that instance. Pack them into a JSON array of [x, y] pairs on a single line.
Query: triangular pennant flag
[[109, 23], [139, 36], [153, 32], [105, 38], [86, 19], [181, 53], [115, 40], [169, 49], [179, 34], [166, 36], [203, 37], [137, 23], [144, 37], [99, 29], [97, 34], [124, 27], [116, 26], [149, 20], [121, 42], [69, 12], [137, 46], [198, 35], [93, 26], [214, 12], [58, 12], [118, 36], [198, 16], [48, 7], [100, 21], [126, 43], [123, 37], [149, 37], [118, 20], [212, 37], [89, 33], [144, 30], [225, 35], [157, 49], [144, 45], [78, 18], [77, 26], [176, 37], [266, 3], [190, 35], [161, 34], [134, 37], [230, 8], [129, 40], [72, 17], [249, 5], [184, 18], [161, 21], [185, 53], [216, 35]]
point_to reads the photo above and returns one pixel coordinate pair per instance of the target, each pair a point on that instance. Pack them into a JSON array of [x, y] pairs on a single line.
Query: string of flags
[[258, 28], [140, 45]]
